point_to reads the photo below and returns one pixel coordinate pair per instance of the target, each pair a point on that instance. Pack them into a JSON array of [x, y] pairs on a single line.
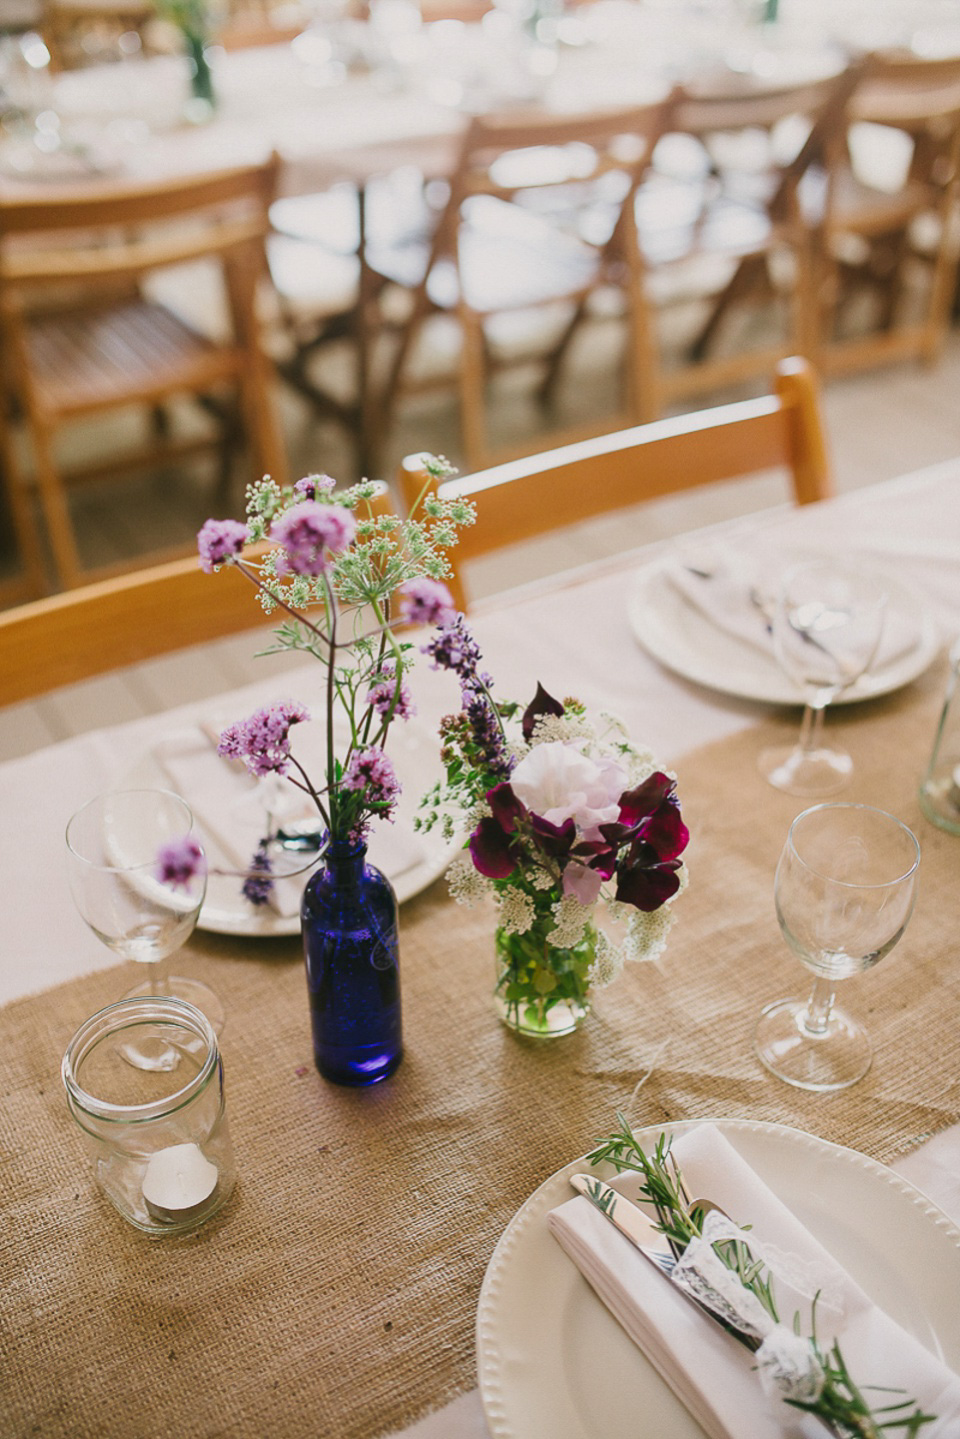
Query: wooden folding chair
[[530, 496], [78, 336], [871, 233], [512, 237], [104, 626], [743, 211]]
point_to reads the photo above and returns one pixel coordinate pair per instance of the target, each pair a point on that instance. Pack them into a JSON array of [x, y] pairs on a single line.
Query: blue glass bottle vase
[[349, 921]]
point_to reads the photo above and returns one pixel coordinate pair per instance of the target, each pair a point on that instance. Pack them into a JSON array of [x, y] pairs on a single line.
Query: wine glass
[[826, 629], [845, 889], [112, 847]]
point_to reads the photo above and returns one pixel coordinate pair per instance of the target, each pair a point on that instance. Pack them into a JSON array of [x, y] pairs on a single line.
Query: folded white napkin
[[707, 1369], [737, 594], [231, 808]]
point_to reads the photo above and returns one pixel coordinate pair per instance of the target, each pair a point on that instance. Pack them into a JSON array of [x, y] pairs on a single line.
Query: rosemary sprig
[[840, 1405]]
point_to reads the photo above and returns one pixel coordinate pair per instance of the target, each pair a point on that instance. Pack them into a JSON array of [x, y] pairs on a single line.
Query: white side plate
[[553, 1363], [683, 640]]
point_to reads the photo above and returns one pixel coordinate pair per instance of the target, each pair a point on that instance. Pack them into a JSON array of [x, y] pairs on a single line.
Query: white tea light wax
[[179, 1183]]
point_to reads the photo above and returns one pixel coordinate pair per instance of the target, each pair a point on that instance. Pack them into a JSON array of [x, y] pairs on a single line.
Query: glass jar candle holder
[[158, 1139]]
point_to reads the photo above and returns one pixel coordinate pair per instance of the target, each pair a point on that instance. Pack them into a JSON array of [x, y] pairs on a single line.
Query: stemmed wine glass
[[113, 844], [826, 629], [845, 889]]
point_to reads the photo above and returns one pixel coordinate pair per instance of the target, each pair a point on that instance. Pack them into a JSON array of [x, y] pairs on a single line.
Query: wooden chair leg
[[472, 378], [547, 391], [943, 288], [56, 511], [21, 512]]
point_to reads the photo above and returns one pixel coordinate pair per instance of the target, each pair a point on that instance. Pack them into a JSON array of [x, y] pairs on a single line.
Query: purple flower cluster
[[381, 695], [263, 740], [179, 861], [220, 541], [454, 648], [258, 885], [313, 485], [310, 533], [426, 602], [372, 771]]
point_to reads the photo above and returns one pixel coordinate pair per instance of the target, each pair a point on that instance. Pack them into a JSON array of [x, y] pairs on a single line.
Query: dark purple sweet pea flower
[[647, 886], [219, 542], [507, 808], [541, 704], [426, 602], [309, 534], [179, 861], [551, 839], [491, 849]]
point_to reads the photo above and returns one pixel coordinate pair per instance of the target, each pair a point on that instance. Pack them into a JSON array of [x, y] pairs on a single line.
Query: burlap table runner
[[336, 1293]]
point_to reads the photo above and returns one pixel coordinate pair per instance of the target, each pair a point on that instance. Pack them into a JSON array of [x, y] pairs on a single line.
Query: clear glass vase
[[349, 922], [542, 989]]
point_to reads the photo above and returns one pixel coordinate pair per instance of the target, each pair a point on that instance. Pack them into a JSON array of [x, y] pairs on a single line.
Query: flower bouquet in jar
[[568, 821]]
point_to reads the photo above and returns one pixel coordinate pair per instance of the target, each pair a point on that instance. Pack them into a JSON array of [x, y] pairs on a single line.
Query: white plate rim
[[554, 1189], [266, 923], [777, 690]]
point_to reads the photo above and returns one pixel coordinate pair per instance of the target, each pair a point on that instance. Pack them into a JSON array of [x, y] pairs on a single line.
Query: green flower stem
[[331, 607]]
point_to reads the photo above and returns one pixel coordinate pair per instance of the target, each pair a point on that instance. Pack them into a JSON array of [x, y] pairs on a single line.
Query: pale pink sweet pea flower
[[558, 782], [583, 883]]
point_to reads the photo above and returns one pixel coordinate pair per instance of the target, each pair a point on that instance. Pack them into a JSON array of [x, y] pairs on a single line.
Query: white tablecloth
[[571, 635]]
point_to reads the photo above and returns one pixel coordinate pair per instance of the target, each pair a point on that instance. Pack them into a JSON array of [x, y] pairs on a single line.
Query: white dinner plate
[[683, 639], [414, 749], [553, 1363]]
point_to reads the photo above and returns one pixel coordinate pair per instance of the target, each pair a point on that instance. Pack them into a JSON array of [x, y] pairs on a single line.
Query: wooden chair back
[[100, 627], [109, 231], [543, 492]]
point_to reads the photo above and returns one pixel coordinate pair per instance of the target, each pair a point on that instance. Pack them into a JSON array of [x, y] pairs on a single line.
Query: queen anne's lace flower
[[570, 919], [608, 961], [467, 885], [562, 729], [647, 933], [517, 911]]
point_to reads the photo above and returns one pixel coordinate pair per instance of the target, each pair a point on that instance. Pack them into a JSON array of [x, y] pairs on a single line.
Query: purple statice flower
[[426, 602], [381, 695], [372, 771], [310, 533], [220, 541], [454, 648], [313, 485], [179, 861], [258, 885], [263, 740]]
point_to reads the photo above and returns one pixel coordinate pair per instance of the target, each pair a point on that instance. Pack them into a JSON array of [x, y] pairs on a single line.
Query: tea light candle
[[179, 1183]]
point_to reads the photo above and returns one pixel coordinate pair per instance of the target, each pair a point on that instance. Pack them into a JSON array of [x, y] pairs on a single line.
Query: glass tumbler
[[158, 1139]]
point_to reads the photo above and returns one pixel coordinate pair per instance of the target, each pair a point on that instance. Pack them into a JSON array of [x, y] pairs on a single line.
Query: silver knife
[[628, 1217], [631, 1221]]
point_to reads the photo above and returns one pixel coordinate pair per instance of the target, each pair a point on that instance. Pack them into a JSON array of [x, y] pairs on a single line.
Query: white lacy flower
[[467, 885], [559, 783], [517, 911], [541, 879], [647, 933], [570, 919], [607, 963], [641, 764], [561, 729]]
